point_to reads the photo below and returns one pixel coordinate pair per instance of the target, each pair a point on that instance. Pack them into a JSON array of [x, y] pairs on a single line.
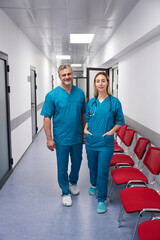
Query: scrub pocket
[[99, 141]]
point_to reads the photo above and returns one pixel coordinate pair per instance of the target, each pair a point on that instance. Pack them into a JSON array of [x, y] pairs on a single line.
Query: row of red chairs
[[138, 172]]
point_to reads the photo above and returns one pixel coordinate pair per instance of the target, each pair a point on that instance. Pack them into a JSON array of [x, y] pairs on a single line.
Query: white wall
[[22, 54], [140, 83], [143, 20], [135, 47]]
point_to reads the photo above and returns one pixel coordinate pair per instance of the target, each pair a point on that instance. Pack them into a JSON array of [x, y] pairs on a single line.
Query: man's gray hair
[[63, 66]]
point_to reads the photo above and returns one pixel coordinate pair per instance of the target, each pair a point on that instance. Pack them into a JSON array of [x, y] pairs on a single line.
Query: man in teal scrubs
[[66, 104]]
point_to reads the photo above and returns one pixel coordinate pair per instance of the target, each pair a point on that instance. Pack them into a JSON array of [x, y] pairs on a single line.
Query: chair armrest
[[155, 218], [119, 165], [153, 210], [136, 183]]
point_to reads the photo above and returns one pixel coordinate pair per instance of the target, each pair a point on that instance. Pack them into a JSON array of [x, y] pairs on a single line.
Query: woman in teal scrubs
[[104, 116]]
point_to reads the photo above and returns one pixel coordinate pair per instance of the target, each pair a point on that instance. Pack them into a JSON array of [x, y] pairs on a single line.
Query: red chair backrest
[[128, 136], [152, 160], [140, 147], [121, 131], [148, 230]]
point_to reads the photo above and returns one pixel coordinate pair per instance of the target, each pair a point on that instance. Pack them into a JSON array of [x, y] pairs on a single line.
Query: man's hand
[[51, 144], [84, 139]]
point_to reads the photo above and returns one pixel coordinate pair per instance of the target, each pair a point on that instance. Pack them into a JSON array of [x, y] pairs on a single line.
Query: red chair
[[138, 198], [149, 230], [127, 140], [127, 174], [118, 148], [139, 150], [120, 134], [121, 131]]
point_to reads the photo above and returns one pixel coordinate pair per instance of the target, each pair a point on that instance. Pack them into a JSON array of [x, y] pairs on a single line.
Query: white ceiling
[[48, 23]]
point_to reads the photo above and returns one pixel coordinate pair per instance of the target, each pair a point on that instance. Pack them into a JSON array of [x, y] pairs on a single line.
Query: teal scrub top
[[101, 119], [66, 110]]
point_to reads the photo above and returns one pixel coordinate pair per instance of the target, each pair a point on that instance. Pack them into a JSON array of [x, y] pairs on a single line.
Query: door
[[81, 82], [33, 103], [91, 72], [52, 81], [115, 81], [5, 143]]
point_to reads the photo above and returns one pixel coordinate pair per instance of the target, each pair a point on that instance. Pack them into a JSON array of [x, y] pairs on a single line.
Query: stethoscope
[[96, 106]]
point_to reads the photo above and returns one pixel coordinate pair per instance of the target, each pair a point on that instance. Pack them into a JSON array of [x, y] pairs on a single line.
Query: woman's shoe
[[101, 208], [92, 190]]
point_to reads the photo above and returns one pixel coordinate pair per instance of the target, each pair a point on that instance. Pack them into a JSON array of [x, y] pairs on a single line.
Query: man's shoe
[[67, 200], [101, 208], [92, 190], [73, 189]]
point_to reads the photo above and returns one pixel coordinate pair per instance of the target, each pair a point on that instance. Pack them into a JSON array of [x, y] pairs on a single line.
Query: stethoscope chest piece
[[95, 103]]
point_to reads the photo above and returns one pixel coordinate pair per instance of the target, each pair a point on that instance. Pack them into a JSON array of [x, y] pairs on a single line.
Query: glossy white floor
[[30, 204]]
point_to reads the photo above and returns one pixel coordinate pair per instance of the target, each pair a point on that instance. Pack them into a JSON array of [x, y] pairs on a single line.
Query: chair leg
[[136, 226], [111, 188], [121, 213], [109, 181]]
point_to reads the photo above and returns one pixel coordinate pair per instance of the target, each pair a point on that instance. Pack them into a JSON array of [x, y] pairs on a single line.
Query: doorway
[[81, 82], [33, 76], [91, 72], [6, 160], [115, 81]]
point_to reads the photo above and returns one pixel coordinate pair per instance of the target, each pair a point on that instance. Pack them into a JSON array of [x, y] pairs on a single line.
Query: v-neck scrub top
[[102, 121], [66, 110]]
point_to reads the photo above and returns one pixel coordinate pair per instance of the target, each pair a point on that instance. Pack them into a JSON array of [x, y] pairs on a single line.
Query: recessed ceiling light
[[76, 65], [81, 38], [63, 57]]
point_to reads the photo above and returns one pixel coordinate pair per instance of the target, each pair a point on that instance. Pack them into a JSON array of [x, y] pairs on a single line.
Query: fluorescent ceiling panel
[[81, 38], [76, 65], [63, 57]]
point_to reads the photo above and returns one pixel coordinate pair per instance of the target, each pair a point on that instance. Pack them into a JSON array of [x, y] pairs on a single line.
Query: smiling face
[[66, 76], [101, 83]]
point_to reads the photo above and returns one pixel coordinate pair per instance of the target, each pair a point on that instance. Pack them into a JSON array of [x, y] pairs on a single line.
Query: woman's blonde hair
[[108, 86]]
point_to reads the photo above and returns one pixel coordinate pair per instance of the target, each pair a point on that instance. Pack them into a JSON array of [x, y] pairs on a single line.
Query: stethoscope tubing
[[96, 106]]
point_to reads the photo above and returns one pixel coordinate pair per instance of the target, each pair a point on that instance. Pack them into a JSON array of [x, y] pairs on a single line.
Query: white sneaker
[[67, 200], [74, 189]]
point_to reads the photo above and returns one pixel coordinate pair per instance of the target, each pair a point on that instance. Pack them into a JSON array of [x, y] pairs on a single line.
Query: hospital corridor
[[31, 209], [79, 80]]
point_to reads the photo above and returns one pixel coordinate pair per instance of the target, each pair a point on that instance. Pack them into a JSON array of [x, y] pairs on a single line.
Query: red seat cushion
[[137, 198], [149, 230], [117, 148], [121, 158], [125, 174]]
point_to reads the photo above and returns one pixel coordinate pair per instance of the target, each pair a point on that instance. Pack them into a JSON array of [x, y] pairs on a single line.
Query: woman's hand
[[112, 131], [86, 130], [108, 133]]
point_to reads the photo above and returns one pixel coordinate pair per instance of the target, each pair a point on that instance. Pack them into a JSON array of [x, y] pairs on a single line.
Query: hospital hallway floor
[[30, 204]]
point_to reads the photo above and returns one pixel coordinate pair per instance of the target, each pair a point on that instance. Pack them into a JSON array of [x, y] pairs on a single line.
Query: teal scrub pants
[[63, 152], [99, 163]]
